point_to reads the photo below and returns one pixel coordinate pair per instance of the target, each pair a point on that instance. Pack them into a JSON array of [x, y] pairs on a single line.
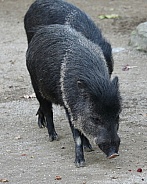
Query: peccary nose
[[109, 150], [113, 155]]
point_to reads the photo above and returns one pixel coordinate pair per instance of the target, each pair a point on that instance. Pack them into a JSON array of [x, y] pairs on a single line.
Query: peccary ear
[[80, 84], [82, 87], [115, 82]]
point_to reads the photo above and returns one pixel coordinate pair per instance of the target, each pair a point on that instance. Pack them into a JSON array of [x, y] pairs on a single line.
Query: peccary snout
[[108, 141], [110, 149]]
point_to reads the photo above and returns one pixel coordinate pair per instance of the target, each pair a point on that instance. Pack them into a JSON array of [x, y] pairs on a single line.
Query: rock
[[139, 37]]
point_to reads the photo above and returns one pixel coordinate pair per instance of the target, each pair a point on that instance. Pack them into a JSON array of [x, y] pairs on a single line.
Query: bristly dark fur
[[84, 62], [93, 67], [68, 69]]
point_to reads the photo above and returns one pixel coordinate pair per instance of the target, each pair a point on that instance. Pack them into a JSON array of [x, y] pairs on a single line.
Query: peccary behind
[[47, 12], [69, 70]]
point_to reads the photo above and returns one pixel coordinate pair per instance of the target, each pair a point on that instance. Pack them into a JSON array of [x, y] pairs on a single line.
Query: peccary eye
[[96, 119], [117, 118], [117, 126]]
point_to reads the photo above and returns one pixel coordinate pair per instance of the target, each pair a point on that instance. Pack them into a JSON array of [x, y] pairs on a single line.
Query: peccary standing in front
[[69, 70], [46, 12]]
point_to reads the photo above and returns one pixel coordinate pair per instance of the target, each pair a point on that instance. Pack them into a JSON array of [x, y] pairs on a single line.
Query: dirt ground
[[26, 155]]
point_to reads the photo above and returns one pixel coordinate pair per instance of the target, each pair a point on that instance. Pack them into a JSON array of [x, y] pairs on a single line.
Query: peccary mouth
[[109, 150], [113, 155]]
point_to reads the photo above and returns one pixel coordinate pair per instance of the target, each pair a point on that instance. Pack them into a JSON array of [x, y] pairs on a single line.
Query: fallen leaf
[[4, 180], [58, 178], [139, 170], [127, 67], [112, 16], [24, 154], [101, 16]]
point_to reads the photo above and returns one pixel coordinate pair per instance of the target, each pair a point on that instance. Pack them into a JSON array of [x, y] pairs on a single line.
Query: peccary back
[[47, 12], [57, 50]]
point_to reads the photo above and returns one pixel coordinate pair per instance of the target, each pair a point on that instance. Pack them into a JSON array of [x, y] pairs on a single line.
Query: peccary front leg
[[78, 138], [86, 144], [79, 154]]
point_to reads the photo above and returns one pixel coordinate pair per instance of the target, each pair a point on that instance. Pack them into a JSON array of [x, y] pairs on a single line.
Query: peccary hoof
[[41, 119], [80, 163], [53, 137], [86, 145], [88, 148], [41, 122]]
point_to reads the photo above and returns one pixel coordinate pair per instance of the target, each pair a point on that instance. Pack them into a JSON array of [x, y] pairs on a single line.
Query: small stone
[[58, 178], [62, 147], [18, 137], [3, 180], [114, 177]]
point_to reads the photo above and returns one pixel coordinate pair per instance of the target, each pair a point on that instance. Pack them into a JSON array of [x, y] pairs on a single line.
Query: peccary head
[[99, 119]]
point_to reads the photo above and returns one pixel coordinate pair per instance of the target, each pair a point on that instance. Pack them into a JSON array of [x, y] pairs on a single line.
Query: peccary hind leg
[[45, 115], [41, 119], [46, 109], [86, 144]]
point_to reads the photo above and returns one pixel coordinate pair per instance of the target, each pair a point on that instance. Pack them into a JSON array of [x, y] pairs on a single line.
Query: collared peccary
[[69, 70], [46, 12]]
